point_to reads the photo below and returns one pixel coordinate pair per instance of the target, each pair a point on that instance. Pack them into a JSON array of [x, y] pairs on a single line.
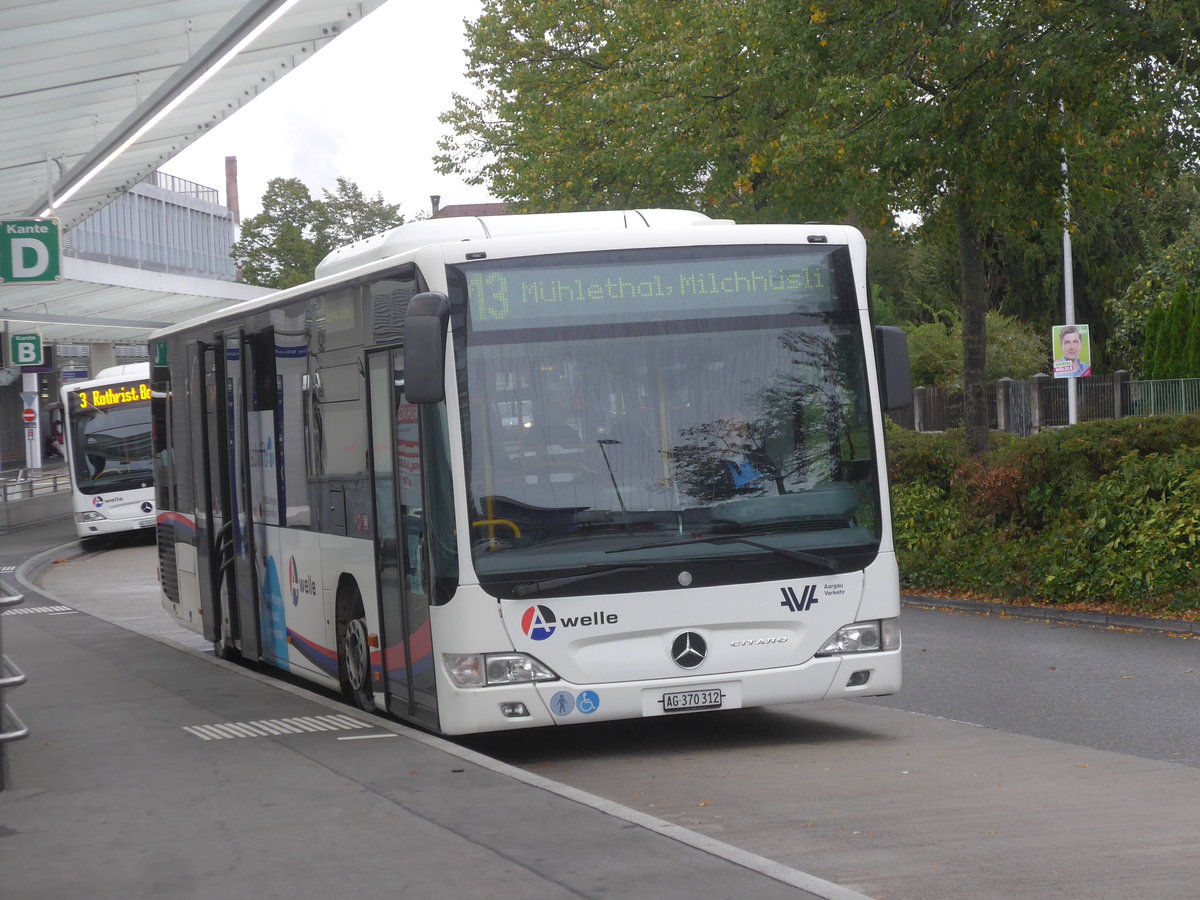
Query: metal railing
[[183, 186], [24, 485], [1025, 407], [11, 726]]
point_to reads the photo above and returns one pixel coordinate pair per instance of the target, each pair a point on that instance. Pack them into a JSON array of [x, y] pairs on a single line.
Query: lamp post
[[1068, 280]]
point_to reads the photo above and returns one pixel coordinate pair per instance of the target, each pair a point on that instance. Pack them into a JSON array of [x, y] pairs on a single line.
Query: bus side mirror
[[895, 374], [425, 348]]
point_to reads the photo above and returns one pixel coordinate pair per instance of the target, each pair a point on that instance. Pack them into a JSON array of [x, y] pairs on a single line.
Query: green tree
[[1171, 352], [1014, 350], [1154, 331], [347, 215], [959, 110], [275, 249], [281, 246], [1192, 354], [1136, 313]]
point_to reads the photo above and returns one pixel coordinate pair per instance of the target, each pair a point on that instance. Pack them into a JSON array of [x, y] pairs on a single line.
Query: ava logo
[[803, 603], [298, 585], [97, 502], [539, 622]]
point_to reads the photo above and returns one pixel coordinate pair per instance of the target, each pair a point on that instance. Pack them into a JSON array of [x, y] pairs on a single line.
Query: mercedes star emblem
[[689, 650]]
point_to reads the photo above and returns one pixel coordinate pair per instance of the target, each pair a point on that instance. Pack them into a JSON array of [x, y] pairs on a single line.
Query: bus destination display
[[508, 295], [112, 395]]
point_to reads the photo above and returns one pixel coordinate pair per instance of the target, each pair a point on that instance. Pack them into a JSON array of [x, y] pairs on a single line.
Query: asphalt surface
[[155, 770], [1128, 691], [136, 782]]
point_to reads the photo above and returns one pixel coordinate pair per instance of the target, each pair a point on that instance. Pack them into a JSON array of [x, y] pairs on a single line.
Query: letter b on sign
[[25, 350]]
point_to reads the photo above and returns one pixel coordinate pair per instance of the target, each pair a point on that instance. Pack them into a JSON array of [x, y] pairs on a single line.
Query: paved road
[[885, 802], [155, 771], [1129, 692]]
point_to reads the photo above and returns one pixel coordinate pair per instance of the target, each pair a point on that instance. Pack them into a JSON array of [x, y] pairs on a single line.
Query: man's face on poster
[[1072, 343]]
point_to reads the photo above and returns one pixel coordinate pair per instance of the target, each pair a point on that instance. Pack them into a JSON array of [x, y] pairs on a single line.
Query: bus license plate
[[686, 701]]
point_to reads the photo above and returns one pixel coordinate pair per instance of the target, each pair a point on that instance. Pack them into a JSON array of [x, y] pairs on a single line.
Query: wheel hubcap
[[357, 659]]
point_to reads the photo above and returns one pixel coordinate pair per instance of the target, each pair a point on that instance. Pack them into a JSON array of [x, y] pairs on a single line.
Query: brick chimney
[[231, 189]]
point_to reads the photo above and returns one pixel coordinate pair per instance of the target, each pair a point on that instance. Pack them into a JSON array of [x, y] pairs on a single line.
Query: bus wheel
[[354, 657]]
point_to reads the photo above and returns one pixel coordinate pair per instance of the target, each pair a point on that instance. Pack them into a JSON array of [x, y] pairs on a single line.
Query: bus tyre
[[354, 657]]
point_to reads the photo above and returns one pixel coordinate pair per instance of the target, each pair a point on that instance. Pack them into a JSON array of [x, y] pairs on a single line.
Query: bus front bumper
[[562, 703]]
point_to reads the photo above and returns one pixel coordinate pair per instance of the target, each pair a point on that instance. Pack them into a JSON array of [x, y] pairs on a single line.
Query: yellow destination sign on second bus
[[114, 395]]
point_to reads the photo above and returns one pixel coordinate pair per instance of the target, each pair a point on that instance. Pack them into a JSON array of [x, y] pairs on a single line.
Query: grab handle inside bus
[[425, 348]]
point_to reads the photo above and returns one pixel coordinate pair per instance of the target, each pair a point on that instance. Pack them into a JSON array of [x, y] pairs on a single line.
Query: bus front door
[[406, 645], [214, 545], [237, 451]]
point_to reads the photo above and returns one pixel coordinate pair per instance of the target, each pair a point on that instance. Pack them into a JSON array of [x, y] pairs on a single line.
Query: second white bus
[[492, 473], [107, 429]]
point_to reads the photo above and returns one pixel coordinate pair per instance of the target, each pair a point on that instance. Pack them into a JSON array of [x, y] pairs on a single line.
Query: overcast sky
[[365, 107]]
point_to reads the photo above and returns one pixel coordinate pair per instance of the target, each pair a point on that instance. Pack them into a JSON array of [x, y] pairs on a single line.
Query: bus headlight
[[484, 669], [863, 637], [89, 516]]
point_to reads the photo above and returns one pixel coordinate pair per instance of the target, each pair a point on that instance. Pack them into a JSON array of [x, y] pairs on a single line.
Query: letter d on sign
[[32, 252]]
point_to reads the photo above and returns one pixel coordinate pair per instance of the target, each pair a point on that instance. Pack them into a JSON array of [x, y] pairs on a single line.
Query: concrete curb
[[1048, 614]]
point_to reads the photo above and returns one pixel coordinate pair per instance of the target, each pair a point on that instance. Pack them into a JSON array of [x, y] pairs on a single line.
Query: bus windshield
[[109, 443], [644, 412]]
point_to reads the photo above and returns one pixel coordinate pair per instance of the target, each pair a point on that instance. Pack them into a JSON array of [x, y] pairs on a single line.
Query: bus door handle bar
[[224, 548]]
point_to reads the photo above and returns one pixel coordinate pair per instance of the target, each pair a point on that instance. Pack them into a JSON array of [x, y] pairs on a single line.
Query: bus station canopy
[[95, 97]]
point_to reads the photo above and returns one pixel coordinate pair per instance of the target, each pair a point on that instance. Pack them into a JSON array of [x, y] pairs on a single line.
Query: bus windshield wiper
[[801, 555], [536, 587]]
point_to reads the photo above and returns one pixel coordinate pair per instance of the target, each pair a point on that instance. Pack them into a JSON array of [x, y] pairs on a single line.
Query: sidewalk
[[157, 771]]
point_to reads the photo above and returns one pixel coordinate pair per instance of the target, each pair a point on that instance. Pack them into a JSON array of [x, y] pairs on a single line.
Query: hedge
[[1101, 514]]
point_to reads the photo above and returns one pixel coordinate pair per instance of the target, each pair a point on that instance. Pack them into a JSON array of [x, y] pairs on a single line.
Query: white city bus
[[107, 429], [491, 473]]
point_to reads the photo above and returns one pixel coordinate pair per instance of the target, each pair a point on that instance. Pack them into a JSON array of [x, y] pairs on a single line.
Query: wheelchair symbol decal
[[564, 703]]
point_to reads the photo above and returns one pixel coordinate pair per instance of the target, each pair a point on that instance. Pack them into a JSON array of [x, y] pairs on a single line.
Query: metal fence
[[1024, 407], [25, 484], [183, 186], [1168, 396]]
